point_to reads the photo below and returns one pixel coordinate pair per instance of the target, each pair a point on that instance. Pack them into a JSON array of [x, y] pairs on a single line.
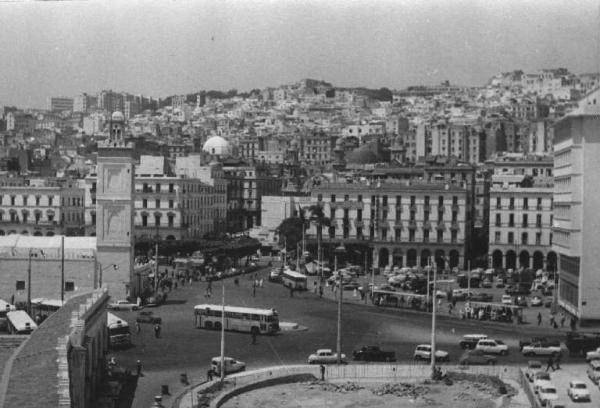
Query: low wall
[[247, 381]]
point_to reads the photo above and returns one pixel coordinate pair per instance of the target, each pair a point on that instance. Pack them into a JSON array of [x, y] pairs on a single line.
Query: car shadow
[[175, 302]]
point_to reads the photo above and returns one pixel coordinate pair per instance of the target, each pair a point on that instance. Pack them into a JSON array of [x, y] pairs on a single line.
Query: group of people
[[552, 320], [490, 312]]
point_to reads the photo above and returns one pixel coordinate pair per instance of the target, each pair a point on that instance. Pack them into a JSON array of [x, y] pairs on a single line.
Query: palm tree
[[317, 216]]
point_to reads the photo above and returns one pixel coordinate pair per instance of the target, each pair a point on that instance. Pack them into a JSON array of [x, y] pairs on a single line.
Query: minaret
[[114, 209]]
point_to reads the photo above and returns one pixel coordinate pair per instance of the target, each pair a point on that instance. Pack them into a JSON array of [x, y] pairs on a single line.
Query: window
[[440, 236], [412, 215], [454, 216], [498, 203], [69, 286], [384, 234], [511, 206], [511, 220], [157, 203], [333, 198], [525, 203], [426, 235], [440, 201], [524, 224], [50, 200], [346, 197], [12, 200], [412, 200], [20, 285], [454, 200], [331, 232], [411, 235], [384, 200], [157, 220], [398, 234], [538, 238], [170, 203], [144, 220], [497, 237], [37, 216], [359, 233], [538, 220], [426, 216], [171, 188], [359, 215], [346, 214], [158, 188], [359, 199], [145, 187], [332, 213], [498, 220], [550, 239], [144, 203], [511, 237], [524, 238], [426, 200], [320, 197], [371, 232], [50, 217], [25, 200], [170, 220], [539, 203], [454, 236]]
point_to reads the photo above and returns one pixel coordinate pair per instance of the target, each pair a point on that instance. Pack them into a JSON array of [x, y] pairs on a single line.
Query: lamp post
[[339, 251], [29, 284], [433, 322]]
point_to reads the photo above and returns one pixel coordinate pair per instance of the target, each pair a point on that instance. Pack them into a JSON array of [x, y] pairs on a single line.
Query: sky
[[161, 48]]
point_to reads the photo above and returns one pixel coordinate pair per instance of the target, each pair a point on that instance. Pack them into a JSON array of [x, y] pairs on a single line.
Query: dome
[[217, 145], [362, 155], [117, 116]]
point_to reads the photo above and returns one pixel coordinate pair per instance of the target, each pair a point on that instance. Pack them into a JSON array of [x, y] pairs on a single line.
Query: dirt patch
[[464, 390]]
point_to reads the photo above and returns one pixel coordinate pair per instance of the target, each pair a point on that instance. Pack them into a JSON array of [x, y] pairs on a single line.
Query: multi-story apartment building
[[20, 121], [245, 187], [42, 208], [521, 228], [84, 103], [110, 101], [396, 223], [576, 217], [59, 104], [315, 149]]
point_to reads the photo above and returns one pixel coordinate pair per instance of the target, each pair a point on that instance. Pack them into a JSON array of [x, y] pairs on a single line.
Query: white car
[[578, 391], [423, 352], [533, 367], [536, 301], [539, 349], [231, 365], [492, 346], [507, 300], [541, 377], [592, 355], [547, 392], [123, 305], [325, 356]]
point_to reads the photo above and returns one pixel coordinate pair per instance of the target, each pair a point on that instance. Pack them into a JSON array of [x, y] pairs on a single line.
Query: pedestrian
[[209, 374], [253, 337], [156, 330], [558, 359], [449, 308], [260, 283], [139, 368], [322, 368], [138, 328], [190, 281], [539, 318], [320, 291], [562, 320], [550, 364]]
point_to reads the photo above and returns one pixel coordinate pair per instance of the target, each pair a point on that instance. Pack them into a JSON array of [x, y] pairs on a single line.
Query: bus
[[243, 319], [118, 331], [293, 280], [19, 322]]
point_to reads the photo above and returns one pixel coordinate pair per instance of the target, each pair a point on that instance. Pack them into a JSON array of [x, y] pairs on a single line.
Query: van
[[231, 365], [19, 322]]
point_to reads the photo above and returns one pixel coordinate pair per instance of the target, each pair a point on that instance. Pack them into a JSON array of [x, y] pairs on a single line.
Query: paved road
[[183, 348]]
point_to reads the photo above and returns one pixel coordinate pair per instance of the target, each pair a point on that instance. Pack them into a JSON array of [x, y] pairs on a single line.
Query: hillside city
[[364, 191]]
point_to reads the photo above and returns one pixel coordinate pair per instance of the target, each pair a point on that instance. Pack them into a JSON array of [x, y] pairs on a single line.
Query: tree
[[290, 232], [317, 216]]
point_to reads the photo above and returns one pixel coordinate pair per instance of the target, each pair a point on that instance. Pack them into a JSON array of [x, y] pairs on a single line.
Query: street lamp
[[339, 251]]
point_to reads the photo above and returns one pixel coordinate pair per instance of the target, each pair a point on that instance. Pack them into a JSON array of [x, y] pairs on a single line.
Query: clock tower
[[115, 210]]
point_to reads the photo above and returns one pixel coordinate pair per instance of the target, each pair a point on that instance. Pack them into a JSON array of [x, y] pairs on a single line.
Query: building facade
[[402, 224], [576, 217], [59, 104]]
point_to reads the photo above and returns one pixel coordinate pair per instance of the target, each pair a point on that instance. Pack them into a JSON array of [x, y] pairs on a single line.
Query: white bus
[[294, 280], [19, 322], [243, 319], [119, 334]]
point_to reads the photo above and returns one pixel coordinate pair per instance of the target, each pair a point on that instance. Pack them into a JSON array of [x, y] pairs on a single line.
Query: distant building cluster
[[490, 176]]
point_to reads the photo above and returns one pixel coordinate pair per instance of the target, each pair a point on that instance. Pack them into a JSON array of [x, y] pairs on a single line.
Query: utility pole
[[222, 367], [469, 281], [433, 324], [339, 251], [29, 285], [62, 271], [156, 268]]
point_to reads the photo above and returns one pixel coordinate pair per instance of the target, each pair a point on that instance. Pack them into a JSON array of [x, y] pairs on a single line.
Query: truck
[[373, 353], [540, 349]]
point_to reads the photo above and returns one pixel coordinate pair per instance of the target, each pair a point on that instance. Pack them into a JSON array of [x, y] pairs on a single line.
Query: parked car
[[543, 340], [231, 365], [275, 275], [373, 353], [507, 300], [536, 301], [521, 301], [486, 284], [325, 356], [592, 355], [500, 283], [578, 391], [482, 297], [147, 316], [593, 371], [539, 379], [423, 352], [540, 349], [533, 367], [469, 341], [123, 305], [547, 392], [476, 357], [492, 346]]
